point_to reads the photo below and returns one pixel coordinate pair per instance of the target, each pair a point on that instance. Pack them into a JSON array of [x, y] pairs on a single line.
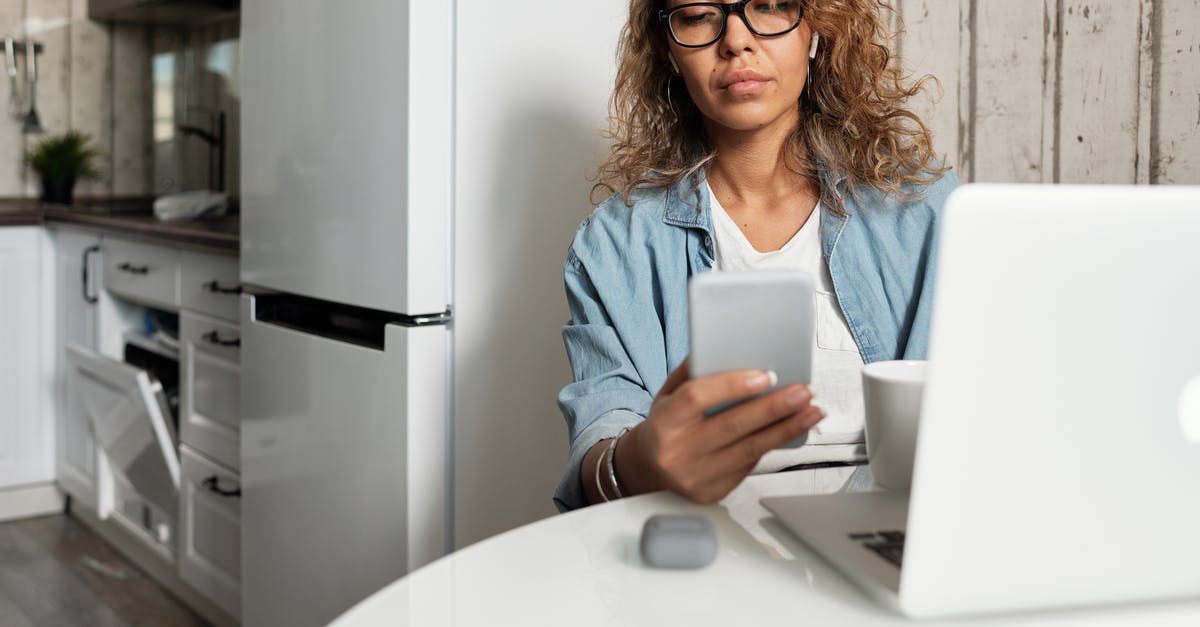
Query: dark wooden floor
[[56, 571]]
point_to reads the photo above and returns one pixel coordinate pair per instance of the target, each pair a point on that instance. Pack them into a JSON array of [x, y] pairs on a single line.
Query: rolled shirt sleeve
[[606, 395]]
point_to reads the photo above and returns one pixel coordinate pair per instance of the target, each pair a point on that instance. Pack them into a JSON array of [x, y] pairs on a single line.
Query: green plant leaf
[[65, 155]]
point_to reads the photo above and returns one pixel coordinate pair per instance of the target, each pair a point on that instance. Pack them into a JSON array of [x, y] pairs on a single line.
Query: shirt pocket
[[833, 332]]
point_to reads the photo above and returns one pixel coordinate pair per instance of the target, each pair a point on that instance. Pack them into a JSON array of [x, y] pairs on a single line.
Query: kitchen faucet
[[215, 141]]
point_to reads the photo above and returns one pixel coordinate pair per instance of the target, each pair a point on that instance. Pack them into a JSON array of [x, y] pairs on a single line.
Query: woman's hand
[[704, 459]]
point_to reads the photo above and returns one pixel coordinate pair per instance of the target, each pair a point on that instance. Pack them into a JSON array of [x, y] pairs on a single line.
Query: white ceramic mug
[[892, 397]]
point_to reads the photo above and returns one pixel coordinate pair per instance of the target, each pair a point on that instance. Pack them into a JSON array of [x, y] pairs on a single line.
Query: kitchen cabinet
[[131, 422], [77, 289], [26, 432], [209, 418], [148, 343], [210, 547]]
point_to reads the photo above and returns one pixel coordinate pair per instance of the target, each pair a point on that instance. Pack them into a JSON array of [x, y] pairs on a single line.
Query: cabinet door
[[131, 422], [210, 538], [26, 444], [77, 261], [209, 416]]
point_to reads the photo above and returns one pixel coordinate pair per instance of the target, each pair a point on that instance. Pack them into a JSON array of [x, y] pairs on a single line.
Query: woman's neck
[[750, 177], [751, 168]]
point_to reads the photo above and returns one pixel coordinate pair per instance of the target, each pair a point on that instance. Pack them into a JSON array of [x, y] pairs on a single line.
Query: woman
[[748, 135]]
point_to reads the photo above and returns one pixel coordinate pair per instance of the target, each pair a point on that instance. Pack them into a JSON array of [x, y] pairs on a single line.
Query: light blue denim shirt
[[626, 279]]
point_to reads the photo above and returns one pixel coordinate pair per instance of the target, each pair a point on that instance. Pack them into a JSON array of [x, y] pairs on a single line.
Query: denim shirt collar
[[687, 205]]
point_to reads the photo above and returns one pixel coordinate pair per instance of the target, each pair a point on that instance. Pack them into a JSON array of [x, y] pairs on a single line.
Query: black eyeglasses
[[700, 24]]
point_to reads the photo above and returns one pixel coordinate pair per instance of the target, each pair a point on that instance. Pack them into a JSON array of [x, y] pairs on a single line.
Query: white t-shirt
[[837, 364]]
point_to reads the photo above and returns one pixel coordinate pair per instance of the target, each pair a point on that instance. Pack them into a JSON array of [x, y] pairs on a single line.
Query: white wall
[[532, 108]]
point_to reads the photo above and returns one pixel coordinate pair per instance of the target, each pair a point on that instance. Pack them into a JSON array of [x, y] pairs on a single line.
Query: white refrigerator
[[412, 172]]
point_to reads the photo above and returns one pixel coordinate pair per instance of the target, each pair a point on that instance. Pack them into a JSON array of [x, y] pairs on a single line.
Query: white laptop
[[1058, 456]]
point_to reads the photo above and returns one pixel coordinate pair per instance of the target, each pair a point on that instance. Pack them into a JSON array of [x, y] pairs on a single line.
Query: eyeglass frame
[[727, 9]]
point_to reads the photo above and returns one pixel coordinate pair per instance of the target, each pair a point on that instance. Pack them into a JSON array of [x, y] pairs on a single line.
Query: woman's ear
[[812, 50]]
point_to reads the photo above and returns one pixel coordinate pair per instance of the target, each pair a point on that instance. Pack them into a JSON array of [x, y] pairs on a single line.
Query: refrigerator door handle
[[336, 321]]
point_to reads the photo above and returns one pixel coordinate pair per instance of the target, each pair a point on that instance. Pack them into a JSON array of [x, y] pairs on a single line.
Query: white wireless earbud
[[812, 50], [674, 64]]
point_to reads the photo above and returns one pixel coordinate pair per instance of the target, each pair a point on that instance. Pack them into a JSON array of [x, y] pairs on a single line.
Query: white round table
[[583, 568]]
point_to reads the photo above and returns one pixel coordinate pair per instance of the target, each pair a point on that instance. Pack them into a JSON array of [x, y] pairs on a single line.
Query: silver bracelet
[[612, 471], [600, 488]]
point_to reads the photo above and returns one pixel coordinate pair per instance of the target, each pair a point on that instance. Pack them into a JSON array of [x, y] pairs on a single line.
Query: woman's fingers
[[689, 400], [715, 475], [676, 378], [748, 450], [736, 423], [702, 458]]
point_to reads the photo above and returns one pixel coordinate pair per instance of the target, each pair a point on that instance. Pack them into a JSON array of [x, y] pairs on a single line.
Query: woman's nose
[[737, 38]]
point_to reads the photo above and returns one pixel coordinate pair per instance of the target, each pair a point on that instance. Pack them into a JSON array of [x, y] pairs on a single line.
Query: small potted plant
[[61, 159]]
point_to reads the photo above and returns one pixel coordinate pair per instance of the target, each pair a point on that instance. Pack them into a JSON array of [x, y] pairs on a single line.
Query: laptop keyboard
[[886, 544]]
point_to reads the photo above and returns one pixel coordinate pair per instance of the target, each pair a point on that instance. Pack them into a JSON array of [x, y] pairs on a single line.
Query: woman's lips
[[743, 82], [746, 87]]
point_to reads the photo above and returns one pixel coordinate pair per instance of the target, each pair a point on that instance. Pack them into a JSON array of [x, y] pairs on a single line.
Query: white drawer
[[210, 530], [209, 416], [209, 284], [142, 272]]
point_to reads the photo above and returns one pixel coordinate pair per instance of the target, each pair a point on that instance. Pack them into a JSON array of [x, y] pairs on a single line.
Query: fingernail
[[774, 378], [761, 379], [798, 397]]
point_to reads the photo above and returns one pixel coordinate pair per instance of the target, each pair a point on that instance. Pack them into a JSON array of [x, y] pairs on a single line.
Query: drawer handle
[[216, 288], [212, 337], [132, 269], [213, 484], [87, 293]]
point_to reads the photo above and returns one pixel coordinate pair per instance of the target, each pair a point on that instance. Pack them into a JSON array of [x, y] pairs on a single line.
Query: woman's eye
[[774, 7], [697, 16]]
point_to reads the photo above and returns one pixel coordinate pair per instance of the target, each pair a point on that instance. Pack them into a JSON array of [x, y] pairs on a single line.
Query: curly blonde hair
[[854, 121]]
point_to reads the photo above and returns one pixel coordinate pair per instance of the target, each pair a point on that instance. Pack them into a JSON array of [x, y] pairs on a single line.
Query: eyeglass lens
[[700, 25]]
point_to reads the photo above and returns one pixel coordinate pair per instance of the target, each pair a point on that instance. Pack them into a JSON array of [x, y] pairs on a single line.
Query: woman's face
[[743, 82]]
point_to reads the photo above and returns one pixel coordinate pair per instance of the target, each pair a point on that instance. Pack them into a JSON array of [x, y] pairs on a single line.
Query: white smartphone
[[751, 320]]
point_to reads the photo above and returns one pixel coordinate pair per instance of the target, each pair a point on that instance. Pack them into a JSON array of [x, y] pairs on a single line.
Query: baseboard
[[29, 501], [164, 571]]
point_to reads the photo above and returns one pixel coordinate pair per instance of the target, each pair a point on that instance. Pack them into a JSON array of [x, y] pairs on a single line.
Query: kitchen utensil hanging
[[32, 123], [17, 108], [10, 63]]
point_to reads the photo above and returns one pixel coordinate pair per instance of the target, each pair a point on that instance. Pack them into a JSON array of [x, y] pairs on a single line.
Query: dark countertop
[[125, 216]]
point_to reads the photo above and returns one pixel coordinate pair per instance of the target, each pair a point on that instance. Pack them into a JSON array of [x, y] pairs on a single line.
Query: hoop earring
[[671, 101]]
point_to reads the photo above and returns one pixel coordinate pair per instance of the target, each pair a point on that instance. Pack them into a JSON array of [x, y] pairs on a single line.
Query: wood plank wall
[[1069, 91]]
